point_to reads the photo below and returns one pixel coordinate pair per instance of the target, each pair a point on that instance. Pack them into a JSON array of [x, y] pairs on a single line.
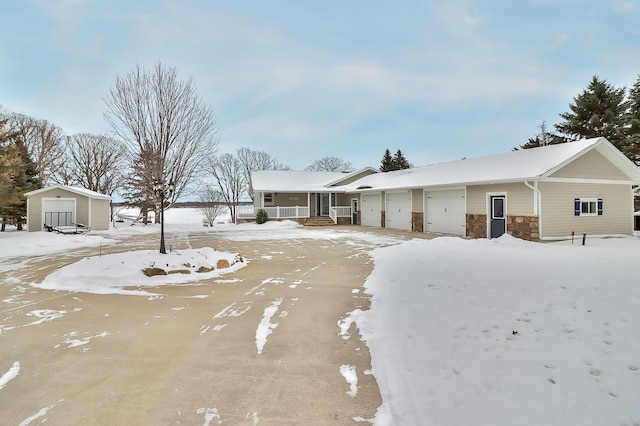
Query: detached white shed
[[61, 205]]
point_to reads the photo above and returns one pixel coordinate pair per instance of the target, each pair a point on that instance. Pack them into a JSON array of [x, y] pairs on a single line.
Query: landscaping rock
[[222, 263], [150, 272]]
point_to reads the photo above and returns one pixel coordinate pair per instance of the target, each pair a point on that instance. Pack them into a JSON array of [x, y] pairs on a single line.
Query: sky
[[305, 80]]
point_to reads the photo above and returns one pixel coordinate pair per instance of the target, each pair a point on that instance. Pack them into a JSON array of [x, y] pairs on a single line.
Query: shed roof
[[80, 191]]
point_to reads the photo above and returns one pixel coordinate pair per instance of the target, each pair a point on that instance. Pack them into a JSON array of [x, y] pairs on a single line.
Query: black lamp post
[[162, 191]]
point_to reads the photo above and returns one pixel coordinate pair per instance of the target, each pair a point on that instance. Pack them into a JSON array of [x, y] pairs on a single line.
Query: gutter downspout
[[536, 204]]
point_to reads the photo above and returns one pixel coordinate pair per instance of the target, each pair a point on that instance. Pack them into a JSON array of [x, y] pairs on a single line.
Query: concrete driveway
[[190, 355]]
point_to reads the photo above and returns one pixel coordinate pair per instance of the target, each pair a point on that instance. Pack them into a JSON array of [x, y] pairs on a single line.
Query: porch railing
[[295, 212], [339, 211], [249, 212]]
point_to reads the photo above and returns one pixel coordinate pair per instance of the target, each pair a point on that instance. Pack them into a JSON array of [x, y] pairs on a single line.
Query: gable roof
[[80, 191], [529, 164]]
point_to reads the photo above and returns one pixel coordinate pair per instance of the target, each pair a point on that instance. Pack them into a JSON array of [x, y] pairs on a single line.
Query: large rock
[[151, 272], [222, 263]]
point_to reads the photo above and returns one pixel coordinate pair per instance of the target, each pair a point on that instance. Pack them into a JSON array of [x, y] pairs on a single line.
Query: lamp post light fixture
[[162, 190]]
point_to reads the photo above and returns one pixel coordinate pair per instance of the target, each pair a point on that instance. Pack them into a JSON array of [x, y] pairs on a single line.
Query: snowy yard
[[483, 332]]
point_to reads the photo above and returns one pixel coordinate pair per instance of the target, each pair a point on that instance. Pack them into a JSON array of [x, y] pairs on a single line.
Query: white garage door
[[398, 210], [445, 212], [58, 212], [370, 209]]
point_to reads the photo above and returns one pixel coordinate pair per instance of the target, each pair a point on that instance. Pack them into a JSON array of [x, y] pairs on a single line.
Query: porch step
[[318, 221]]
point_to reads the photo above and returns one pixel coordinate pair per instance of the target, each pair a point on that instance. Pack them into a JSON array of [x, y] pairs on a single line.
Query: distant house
[[542, 193], [66, 206]]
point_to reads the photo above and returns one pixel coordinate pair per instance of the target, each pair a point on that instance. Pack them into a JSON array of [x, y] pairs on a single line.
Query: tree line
[[601, 110]]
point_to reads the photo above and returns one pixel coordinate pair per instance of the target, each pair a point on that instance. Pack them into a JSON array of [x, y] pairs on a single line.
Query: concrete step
[[319, 221]]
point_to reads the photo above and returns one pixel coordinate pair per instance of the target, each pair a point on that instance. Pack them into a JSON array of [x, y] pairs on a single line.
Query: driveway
[[259, 346]]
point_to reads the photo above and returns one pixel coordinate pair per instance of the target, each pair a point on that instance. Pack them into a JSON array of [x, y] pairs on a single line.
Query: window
[[268, 197], [588, 207]]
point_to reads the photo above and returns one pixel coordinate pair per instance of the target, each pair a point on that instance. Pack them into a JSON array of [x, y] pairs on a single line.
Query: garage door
[[370, 209], [58, 212], [445, 212], [398, 210]]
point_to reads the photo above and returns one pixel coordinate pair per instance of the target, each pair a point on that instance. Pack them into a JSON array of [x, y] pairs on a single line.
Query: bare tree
[[213, 204], [229, 176], [253, 160], [330, 164], [95, 162], [44, 141], [168, 130]]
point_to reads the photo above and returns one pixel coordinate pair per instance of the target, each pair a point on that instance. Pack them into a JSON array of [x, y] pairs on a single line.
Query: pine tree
[[543, 138], [386, 165], [25, 178], [632, 146], [400, 162], [598, 111]]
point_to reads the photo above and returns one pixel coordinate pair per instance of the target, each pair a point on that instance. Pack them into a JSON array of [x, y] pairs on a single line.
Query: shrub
[[261, 217]]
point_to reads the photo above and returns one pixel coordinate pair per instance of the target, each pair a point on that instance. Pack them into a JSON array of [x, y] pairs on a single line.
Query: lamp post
[[162, 191]]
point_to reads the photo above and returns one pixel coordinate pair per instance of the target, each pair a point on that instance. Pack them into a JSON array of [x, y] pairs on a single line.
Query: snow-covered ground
[[482, 332]]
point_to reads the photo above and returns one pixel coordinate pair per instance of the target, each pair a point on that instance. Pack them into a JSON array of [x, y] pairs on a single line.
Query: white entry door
[[370, 210], [445, 212], [398, 210]]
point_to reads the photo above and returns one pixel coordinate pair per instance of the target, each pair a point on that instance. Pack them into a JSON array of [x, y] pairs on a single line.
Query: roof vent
[[364, 187]]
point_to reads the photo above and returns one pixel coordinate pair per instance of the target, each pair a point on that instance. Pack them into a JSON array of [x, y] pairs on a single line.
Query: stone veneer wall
[[476, 225], [383, 219], [417, 221], [523, 227]]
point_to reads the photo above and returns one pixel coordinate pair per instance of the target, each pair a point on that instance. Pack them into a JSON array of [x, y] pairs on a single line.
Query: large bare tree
[[44, 142], [95, 162], [229, 176], [253, 160], [330, 164], [168, 130]]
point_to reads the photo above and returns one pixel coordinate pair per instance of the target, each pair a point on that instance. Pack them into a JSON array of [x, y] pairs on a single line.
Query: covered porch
[[300, 206]]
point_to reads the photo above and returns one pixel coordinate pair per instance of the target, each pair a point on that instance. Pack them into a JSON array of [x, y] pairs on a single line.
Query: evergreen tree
[[386, 164], [400, 162], [543, 138], [632, 146], [598, 111]]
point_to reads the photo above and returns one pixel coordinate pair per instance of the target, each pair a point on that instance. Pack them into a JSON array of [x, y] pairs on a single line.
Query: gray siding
[[519, 198], [591, 165], [557, 217], [288, 200]]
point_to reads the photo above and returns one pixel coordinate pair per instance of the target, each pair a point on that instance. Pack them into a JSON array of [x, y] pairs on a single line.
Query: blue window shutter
[[600, 206], [576, 203]]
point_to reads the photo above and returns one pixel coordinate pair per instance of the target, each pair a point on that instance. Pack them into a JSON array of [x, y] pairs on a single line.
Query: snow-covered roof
[[74, 189], [293, 181], [530, 164]]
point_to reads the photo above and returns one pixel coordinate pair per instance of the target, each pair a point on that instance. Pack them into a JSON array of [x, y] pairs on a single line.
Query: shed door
[[370, 210], [58, 212], [398, 210], [445, 212]]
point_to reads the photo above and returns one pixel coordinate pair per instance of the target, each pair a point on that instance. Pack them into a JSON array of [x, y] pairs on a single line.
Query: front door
[[498, 223], [354, 211], [323, 204]]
